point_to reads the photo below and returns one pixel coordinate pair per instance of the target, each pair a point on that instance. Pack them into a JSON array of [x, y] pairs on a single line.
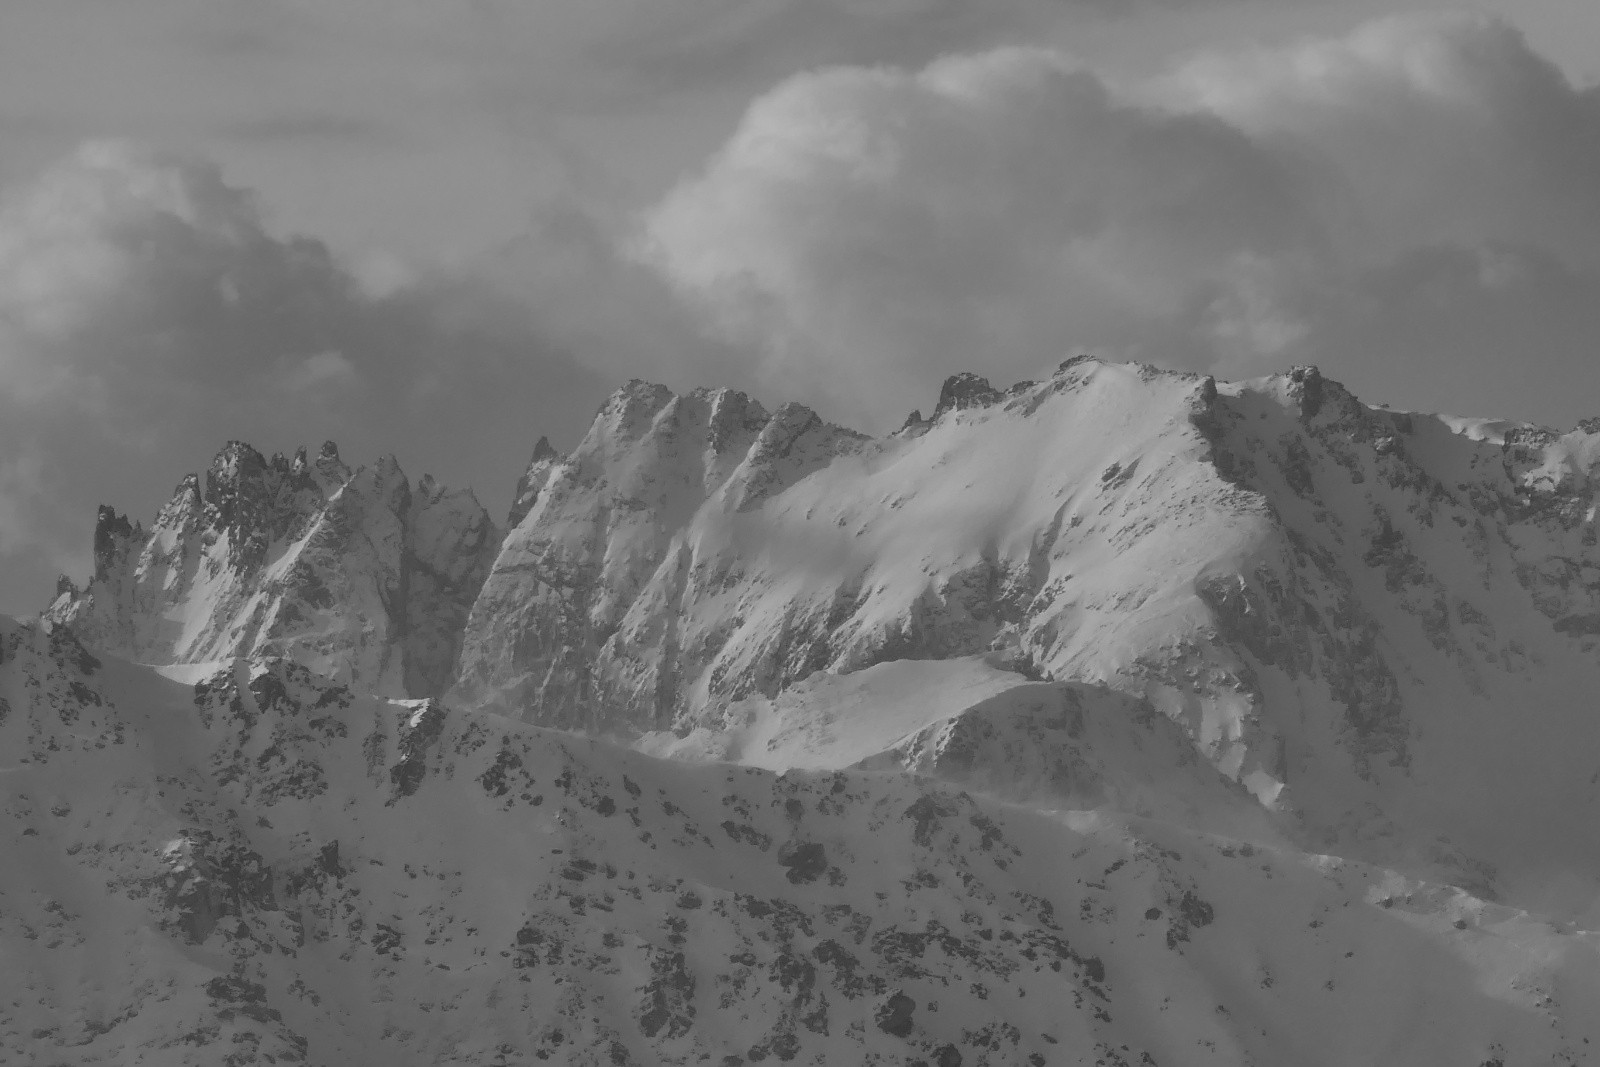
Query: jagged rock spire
[[1305, 386], [543, 450], [532, 481], [112, 534], [965, 390]]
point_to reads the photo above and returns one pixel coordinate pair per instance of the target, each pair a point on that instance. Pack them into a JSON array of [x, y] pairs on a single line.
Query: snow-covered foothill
[[250, 864]]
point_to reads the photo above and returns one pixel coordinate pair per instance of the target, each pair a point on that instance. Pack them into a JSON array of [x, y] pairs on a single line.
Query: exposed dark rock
[[1306, 387], [418, 733], [806, 860], [113, 533], [965, 390], [893, 1014], [667, 1007], [532, 481]]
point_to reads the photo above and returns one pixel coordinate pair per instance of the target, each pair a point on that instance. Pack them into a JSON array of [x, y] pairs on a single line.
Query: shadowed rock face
[[355, 572]]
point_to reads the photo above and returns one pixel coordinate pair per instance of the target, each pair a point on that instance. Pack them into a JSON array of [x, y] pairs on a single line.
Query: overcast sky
[[442, 228]]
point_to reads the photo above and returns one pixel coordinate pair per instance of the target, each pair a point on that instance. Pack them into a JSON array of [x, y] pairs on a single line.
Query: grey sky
[[445, 227]]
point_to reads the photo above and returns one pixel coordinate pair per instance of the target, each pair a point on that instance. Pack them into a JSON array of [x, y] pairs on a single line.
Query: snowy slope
[[248, 864], [356, 573], [1382, 624], [829, 721], [1064, 746]]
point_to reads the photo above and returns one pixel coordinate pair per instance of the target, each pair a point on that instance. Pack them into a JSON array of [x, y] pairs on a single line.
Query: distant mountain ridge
[[1335, 603], [1125, 717]]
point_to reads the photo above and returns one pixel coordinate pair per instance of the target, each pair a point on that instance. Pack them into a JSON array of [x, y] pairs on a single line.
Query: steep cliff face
[[246, 863], [600, 545], [354, 572], [1337, 604]]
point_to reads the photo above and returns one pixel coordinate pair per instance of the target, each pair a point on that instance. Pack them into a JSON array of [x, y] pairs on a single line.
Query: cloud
[[654, 47], [325, 373], [1430, 128], [598, 53], [986, 210], [873, 228], [318, 127], [147, 315]]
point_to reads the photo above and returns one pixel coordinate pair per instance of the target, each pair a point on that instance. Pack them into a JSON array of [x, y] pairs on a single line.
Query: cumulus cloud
[[979, 211], [1430, 129], [985, 210], [650, 46], [1354, 201], [147, 314]]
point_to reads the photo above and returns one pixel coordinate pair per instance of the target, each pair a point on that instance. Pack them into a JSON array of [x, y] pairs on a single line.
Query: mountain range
[[1126, 716]]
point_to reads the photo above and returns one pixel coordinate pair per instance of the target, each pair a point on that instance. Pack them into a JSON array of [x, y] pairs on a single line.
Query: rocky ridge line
[[354, 571]]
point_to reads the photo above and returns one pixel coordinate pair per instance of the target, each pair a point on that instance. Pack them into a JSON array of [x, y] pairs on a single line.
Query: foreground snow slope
[[354, 572], [246, 861]]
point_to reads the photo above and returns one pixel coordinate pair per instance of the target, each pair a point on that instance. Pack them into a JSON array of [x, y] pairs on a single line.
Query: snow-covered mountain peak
[[349, 569], [1332, 602], [1271, 715], [1316, 591]]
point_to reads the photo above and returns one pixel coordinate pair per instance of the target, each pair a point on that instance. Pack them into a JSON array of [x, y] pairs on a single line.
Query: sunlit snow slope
[[1384, 625]]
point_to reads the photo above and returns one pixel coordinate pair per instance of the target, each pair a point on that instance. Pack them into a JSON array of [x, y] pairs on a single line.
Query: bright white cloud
[[872, 228], [986, 210]]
